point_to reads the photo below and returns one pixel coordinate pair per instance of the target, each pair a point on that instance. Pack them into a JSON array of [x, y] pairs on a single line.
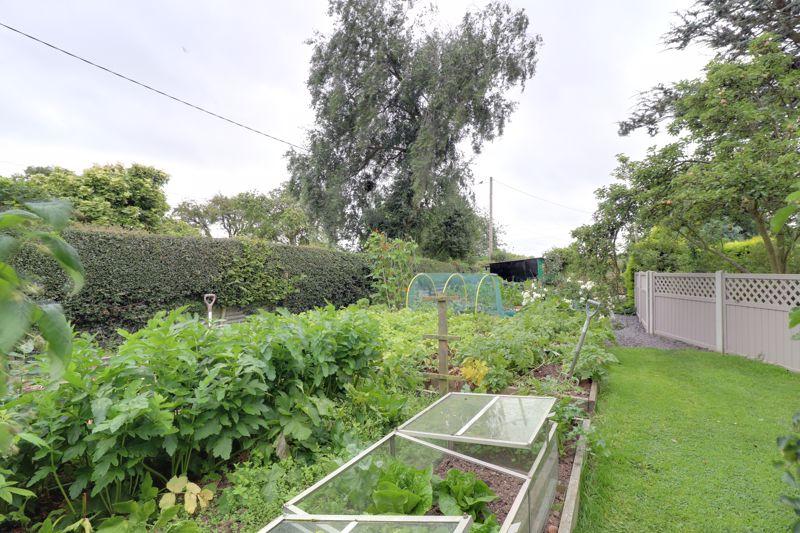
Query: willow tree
[[399, 106]]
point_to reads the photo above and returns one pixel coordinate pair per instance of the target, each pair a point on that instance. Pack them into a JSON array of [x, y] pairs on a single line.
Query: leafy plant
[[789, 446], [474, 370], [191, 492], [489, 525], [462, 492], [391, 263], [402, 489]]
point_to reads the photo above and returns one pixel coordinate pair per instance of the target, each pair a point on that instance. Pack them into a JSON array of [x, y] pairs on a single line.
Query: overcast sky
[[248, 60]]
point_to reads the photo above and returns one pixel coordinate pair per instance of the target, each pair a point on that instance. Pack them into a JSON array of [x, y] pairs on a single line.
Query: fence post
[[719, 304], [650, 299]]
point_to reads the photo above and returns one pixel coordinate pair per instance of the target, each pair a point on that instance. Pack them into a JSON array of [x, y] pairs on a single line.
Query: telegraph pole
[[491, 223]]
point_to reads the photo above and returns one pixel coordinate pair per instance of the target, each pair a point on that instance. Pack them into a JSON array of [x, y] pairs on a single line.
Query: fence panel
[[744, 314], [757, 317], [684, 309]]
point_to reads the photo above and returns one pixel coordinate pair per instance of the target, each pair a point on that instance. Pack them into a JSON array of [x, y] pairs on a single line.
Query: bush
[[179, 398], [130, 276]]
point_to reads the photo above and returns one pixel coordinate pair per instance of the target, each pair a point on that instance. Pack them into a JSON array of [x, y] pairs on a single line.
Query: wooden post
[[443, 338]]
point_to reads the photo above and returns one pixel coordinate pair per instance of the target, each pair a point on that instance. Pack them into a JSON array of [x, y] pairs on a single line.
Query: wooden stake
[[443, 338]]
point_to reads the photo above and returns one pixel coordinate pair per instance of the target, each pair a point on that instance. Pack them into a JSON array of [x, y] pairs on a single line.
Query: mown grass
[[690, 437]]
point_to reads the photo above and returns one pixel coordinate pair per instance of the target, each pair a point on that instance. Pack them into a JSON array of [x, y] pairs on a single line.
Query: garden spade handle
[[592, 306], [209, 299]]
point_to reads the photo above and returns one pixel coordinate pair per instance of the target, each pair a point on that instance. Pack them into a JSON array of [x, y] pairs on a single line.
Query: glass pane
[[512, 419], [542, 489], [404, 527], [450, 415], [291, 526], [350, 492]]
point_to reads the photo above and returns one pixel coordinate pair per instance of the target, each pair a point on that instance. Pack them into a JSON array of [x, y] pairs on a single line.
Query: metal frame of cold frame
[[297, 512], [462, 522], [459, 437]]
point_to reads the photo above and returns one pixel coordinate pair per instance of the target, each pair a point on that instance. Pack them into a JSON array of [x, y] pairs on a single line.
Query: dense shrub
[[130, 276], [179, 398]]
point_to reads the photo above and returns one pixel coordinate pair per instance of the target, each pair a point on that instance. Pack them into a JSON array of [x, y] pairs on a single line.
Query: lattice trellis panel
[[694, 286], [780, 293]]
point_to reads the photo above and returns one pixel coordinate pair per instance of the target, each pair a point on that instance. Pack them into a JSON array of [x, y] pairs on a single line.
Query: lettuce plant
[[402, 489], [462, 492]]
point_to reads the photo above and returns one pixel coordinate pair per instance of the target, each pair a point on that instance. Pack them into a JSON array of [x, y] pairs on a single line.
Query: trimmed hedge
[[130, 276]]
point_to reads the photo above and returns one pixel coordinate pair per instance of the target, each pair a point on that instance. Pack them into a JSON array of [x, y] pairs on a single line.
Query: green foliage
[[179, 399], [258, 489], [253, 277], [402, 490], [789, 447], [108, 195], [463, 493], [276, 216], [395, 106], [38, 224], [130, 276], [391, 263]]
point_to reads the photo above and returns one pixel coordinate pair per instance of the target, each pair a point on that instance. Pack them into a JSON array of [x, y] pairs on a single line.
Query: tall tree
[[276, 216], [108, 195], [396, 101], [728, 27], [737, 154]]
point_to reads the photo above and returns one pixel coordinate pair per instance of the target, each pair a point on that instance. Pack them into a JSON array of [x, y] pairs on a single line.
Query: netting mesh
[[470, 293]]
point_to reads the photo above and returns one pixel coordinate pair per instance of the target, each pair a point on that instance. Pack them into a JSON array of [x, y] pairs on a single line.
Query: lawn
[[690, 437]]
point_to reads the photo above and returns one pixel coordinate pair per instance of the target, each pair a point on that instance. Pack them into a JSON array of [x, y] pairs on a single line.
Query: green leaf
[[211, 427], [56, 331], [22, 492], [33, 439], [8, 246], [448, 505], [56, 213], [100, 408], [222, 448], [16, 217], [66, 256], [170, 444], [297, 430], [15, 316], [781, 216]]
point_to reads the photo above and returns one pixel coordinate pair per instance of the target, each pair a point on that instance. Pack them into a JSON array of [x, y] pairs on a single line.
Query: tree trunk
[[776, 261]]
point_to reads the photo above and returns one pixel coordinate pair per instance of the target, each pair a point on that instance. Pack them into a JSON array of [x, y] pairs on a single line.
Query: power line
[[538, 197], [149, 88]]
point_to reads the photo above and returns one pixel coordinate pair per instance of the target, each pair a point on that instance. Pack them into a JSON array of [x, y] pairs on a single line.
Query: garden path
[[629, 332]]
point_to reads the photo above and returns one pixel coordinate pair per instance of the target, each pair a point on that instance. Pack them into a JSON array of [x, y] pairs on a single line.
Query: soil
[[564, 472], [629, 332], [506, 487]]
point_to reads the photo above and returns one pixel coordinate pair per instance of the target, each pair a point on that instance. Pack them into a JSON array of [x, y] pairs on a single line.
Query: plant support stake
[[443, 338], [592, 307]]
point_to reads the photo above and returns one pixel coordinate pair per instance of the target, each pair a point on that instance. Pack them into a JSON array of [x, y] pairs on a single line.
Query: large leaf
[[66, 256], [16, 217], [56, 213], [222, 448], [56, 331], [781, 216], [15, 316], [8, 246]]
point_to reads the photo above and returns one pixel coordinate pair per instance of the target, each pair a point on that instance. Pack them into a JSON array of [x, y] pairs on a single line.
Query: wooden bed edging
[[569, 513]]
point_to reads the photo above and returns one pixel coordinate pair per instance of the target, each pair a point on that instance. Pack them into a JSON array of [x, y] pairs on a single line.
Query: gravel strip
[[629, 332]]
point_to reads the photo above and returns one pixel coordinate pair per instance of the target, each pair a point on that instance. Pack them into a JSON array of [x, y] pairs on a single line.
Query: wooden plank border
[[569, 513]]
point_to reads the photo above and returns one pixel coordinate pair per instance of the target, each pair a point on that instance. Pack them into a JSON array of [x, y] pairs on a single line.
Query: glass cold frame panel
[[449, 415], [512, 419], [359, 525]]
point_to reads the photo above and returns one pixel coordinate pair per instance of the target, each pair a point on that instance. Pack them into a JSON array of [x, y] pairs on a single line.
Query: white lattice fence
[[745, 314]]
